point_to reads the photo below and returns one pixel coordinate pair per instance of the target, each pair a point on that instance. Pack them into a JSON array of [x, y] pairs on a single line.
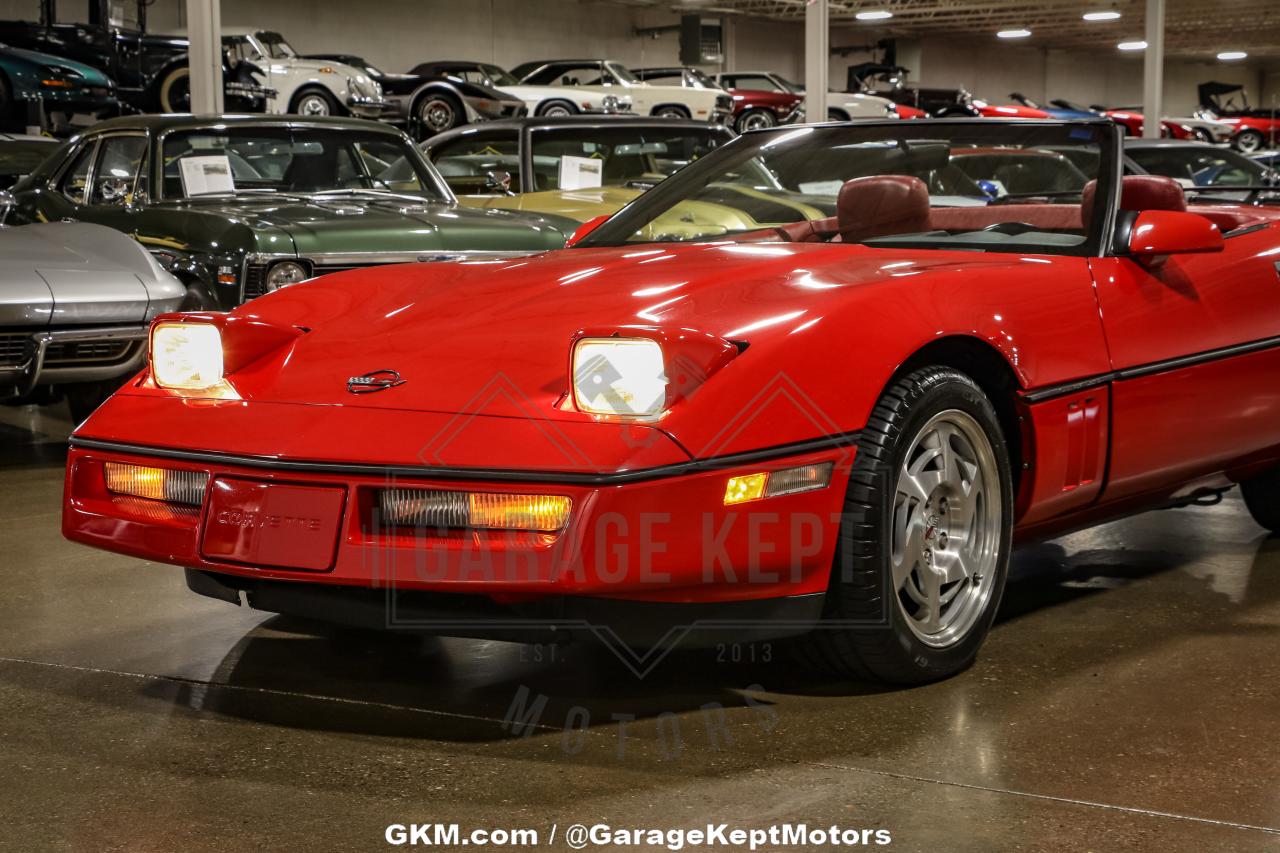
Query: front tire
[[671, 111], [438, 112], [925, 536], [1262, 497], [315, 102], [557, 109], [755, 119], [1248, 141]]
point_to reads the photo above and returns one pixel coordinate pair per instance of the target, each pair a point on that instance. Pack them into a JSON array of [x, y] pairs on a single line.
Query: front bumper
[[367, 107], [61, 356], [660, 533]]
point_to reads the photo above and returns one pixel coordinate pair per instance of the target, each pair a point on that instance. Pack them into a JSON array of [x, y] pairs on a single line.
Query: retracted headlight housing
[[637, 373]]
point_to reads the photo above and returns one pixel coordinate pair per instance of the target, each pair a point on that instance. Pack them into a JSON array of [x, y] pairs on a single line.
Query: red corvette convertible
[[818, 382]]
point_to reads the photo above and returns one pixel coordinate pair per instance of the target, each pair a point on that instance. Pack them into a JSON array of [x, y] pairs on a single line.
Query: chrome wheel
[[947, 518], [671, 112], [437, 114], [756, 120], [1249, 141], [557, 111], [313, 104]]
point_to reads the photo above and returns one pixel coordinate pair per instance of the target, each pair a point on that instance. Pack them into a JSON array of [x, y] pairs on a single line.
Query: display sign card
[[207, 174], [578, 173]]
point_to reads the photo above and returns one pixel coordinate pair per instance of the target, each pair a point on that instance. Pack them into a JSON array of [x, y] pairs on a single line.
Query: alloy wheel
[[437, 114], [947, 519], [313, 105]]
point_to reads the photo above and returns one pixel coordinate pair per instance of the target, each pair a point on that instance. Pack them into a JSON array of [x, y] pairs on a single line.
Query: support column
[[817, 59], [1153, 70], [204, 29]]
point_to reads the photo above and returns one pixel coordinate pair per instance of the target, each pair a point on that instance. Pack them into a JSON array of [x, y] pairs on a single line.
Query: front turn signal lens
[[749, 487], [434, 508], [771, 484], [156, 484], [186, 356]]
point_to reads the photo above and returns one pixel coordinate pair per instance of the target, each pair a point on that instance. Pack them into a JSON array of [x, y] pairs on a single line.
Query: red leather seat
[[1138, 193], [881, 205]]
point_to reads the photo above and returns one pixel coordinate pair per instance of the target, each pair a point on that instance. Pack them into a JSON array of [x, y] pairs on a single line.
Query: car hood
[[90, 75], [59, 274], [578, 205], [498, 333], [397, 224]]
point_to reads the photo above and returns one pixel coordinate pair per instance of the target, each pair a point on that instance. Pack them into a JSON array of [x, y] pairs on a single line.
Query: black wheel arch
[[992, 373]]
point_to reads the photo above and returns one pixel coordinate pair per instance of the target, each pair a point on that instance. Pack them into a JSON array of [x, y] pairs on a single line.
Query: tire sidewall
[[308, 94], [422, 110], [166, 87], [556, 109], [938, 390], [750, 114], [1250, 134]]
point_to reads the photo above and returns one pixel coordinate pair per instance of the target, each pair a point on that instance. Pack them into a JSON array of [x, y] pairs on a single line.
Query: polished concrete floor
[[1129, 698]]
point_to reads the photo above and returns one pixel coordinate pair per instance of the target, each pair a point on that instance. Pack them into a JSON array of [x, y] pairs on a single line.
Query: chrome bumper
[[36, 368], [368, 107]]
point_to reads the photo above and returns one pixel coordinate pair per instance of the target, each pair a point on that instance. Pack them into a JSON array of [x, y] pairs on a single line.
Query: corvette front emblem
[[375, 380]]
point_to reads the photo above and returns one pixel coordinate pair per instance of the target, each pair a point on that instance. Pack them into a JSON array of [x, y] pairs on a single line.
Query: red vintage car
[[818, 382], [1134, 123]]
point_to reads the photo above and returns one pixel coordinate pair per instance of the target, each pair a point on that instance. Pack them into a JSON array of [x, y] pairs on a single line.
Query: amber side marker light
[[473, 510], [770, 484], [157, 484]]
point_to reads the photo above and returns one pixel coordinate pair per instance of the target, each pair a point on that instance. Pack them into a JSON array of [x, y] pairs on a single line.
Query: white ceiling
[[1194, 28]]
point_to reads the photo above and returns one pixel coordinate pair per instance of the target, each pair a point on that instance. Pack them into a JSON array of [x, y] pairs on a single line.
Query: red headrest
[[879, 205], [1138, 193]]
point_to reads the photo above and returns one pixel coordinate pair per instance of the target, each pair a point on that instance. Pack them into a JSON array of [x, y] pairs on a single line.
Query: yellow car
[[584, 167]]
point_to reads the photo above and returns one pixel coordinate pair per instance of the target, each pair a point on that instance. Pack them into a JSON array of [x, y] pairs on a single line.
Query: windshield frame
[[1101, 239], [427, 174]]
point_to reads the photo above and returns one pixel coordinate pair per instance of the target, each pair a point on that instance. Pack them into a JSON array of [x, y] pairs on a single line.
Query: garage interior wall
[[397, 34]]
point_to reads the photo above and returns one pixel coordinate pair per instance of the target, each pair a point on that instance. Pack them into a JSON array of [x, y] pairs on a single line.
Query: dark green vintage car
[[236, 206]]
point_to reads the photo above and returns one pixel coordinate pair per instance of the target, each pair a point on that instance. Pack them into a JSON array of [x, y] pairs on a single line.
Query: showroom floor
[[1128, 698]]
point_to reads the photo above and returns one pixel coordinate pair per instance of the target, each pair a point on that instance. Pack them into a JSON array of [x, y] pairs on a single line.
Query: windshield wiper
[[375, 191], [235, 192]]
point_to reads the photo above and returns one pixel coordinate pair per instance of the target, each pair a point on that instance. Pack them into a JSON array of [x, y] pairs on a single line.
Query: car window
[[1019, 171], [1200, 167], [276, 46], [665, 79], [119, 159], [21, 157], [239, 50], [465, 162], [786, 182], [752, 81], [304, 160], [76, 180], [636, 157]]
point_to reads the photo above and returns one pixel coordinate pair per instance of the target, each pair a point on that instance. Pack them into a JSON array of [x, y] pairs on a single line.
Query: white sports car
[[309, 87], [540, 100], [841, 106], [614, 78]]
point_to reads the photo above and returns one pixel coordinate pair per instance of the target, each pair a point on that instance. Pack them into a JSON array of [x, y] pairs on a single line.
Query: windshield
[[636, 157], [839, 184], [1196, 166], [702, 78], [20, 157], [497, 77], [293, 160], [276, 46], [623, 73]]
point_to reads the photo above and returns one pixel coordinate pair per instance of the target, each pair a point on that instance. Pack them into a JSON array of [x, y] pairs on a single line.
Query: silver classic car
[[75, 303]]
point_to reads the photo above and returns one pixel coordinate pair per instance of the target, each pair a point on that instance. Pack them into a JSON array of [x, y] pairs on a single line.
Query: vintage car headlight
[[186, 356], [285, 273], [624, 377]]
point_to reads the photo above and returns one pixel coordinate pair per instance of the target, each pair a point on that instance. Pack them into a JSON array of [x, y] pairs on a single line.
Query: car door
[[1194, 342]]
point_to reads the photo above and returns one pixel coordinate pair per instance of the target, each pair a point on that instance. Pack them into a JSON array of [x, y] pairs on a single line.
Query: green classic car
[[53, 83], [236, 206]]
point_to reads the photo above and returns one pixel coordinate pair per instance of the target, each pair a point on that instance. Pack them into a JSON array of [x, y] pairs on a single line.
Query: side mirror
[[584, 229], [1156, 234], [7, 204], [498, 181]]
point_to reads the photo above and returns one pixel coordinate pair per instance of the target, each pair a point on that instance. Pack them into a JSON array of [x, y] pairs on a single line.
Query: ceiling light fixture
[[1231, 55], [1132, 45], [874, 15], [1101, 16], [1013, 34]]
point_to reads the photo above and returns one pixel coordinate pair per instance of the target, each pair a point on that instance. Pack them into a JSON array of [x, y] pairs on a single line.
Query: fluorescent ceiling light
[[1013, 34], [1101, 16], [875, 15], [1132, 45], [1228, 55]]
